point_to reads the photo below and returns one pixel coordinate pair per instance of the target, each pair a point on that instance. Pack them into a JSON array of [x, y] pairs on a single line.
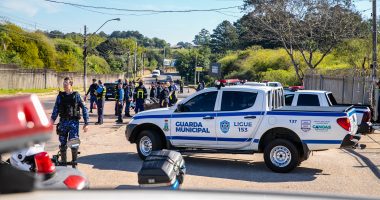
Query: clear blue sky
[[173, 27]]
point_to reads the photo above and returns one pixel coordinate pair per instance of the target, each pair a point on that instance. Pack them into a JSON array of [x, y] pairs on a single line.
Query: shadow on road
[[372, 166], [226, 168]]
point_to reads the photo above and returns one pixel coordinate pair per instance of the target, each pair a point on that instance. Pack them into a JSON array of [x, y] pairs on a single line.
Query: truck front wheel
[[147, 142], [281, 156]]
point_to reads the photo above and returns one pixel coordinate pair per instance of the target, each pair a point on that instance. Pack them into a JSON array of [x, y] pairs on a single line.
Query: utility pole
[[374, 59], [163, 61], [135, 61], [195, 70], [85, 59]]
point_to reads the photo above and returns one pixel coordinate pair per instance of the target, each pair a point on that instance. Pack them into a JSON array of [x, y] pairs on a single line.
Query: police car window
[[308, 100], [332, 99], [201, 103], [232, 100], [289, 99]]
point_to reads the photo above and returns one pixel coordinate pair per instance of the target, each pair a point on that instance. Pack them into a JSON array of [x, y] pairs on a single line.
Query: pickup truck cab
[[326, 99], [246, 120]]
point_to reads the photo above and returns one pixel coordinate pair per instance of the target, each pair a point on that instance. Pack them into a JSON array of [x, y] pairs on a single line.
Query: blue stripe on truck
[[332, 114], [223, 139], [322, 141], [217, 114]]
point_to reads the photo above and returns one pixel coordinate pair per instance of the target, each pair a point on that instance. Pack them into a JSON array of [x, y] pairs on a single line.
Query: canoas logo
[[224, 126]]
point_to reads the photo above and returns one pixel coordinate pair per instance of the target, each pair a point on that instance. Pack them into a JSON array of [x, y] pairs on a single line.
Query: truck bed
[[314, 108]]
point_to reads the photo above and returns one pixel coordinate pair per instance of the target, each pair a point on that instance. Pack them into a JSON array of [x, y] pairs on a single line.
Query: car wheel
[[147, 142], [281, 156], [106, 98]]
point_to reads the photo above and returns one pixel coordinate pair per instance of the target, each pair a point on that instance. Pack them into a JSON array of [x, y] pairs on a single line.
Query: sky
[[173, 27]]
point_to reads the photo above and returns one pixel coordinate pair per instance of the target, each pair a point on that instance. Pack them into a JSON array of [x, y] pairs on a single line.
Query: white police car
[[244, 119]]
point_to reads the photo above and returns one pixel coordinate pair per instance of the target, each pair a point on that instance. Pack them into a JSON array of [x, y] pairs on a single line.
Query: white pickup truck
[[246, 120], [326, 99]]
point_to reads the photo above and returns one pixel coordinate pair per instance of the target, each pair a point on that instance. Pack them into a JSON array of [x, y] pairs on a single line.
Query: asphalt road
[[110, 161]]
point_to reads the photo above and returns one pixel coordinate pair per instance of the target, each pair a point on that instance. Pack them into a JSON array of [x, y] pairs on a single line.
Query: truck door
[[238, 118], [194, 125]]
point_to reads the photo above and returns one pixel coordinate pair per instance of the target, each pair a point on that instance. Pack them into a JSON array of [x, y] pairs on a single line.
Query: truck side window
[[332, 99], [232, 100], [308, 100], [289, 99], [204, 102]]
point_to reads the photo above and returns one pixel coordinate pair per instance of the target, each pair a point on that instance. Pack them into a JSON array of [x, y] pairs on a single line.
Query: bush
[[98, 65]]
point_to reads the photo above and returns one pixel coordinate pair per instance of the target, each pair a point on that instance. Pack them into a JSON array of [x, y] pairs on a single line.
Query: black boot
[[63, 151], [74, 153]]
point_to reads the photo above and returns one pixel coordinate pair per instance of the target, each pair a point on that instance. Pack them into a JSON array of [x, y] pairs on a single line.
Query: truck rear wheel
[[147, 142], [281, 156]]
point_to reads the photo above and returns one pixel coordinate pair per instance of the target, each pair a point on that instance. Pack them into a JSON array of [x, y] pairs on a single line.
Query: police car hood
[[158, 111]]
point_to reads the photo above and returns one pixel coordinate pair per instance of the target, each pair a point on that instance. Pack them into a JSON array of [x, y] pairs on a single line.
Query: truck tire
[[281, 156], [148, 141]]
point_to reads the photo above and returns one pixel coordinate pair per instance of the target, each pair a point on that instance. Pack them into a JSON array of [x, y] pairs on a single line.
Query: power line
[[115, 14], [142, 10]]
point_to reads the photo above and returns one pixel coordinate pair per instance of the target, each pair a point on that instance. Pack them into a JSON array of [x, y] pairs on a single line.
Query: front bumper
[[365, 128], [129, 131], [350, 141]]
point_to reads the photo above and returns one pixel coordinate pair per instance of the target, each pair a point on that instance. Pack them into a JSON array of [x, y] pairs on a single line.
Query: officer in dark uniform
[[139, 96], [158, 90], [100, 99], [120, 102], [172, 95], [153, 91], [164, 96], [91, 90], [117, 94], [67, 106], [128, 94]]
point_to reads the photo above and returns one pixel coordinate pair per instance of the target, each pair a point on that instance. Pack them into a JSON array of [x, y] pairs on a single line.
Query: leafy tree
[[224, 38], [202, 38], [309, 26], [5, 40], [98, 65], [185, 45]]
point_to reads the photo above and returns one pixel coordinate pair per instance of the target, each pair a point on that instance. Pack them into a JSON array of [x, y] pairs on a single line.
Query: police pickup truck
[[246, 120], [327, 99]]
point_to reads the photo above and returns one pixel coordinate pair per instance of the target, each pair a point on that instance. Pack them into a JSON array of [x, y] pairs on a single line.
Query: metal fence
[[346, 90]]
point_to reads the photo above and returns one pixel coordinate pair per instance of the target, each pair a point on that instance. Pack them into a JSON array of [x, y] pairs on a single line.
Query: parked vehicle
[[111, 90], [156, 73], [326, 99], [247, 120]]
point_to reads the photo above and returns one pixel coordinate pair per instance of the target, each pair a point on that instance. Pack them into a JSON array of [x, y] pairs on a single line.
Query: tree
[[203, 38], [185, 45], [5, 40], [305, 26], [247, 28], [224, 38]]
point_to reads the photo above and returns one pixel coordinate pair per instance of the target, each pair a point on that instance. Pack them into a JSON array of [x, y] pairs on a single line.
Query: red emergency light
[[22, 122]]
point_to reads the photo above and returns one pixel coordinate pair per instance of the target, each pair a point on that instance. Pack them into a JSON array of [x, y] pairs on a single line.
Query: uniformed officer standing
[[172, 95], [67, 106], [91, 90], [158, 90], [152, 93], [100, 99], [120, 102], [139, 96], [117, 94], [164, 96], [128, 94]]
